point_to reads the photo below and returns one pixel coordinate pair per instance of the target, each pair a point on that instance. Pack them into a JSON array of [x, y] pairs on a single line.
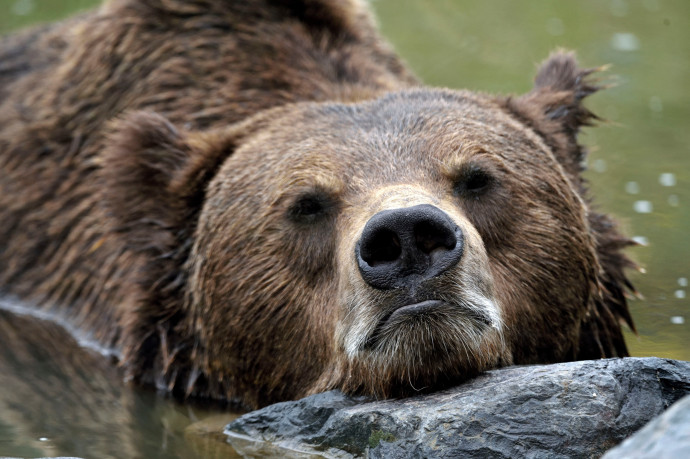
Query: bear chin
[[399, 346], [414, 351]]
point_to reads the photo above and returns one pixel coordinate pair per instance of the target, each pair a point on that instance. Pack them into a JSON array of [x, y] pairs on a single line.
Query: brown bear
[[252, 201]]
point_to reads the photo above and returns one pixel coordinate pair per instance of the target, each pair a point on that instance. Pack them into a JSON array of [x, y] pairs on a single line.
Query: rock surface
[[576, 409], [667, 436]]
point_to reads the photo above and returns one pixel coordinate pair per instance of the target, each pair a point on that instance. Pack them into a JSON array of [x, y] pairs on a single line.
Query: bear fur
[[189, 182]]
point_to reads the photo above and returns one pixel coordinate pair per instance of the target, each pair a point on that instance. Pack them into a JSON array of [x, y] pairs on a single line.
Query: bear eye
[[473, 181], [310, 207]]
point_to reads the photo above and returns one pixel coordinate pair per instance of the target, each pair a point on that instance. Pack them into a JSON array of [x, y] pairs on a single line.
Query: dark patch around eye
[[310, 207], [473, 182]]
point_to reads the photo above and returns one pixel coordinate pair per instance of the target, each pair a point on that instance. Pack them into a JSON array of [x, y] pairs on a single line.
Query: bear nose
[[402, 247]]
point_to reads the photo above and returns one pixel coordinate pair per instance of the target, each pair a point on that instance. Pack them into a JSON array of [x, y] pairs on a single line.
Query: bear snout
[[401, 248]]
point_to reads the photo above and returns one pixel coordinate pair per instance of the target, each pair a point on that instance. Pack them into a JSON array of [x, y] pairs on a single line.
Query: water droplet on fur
[[683, 281], [667, 179], [643, 207], [599, 165], [625, 42], [680, 294], [677, 320], [619, 8], [555, 27], [632, 188], [655, 104], [673, 200], [23, 7]]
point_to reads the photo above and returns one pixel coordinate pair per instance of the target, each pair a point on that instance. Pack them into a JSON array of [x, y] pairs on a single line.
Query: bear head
[[384, 246]]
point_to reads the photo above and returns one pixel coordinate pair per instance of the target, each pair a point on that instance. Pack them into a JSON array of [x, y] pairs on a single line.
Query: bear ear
[[153, 180], [154, 176], [554, 110], [554, 107]]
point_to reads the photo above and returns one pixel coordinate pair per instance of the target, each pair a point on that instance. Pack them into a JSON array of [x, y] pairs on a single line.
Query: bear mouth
[[410, 312]]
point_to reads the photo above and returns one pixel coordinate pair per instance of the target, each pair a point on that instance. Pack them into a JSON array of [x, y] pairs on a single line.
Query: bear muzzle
[[419, 284]]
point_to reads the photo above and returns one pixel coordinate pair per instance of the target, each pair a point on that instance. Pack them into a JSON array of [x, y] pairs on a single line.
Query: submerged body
[[254, 201]]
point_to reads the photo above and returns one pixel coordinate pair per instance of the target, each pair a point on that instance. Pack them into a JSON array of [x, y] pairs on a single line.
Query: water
[[638, 169], [59, 398]]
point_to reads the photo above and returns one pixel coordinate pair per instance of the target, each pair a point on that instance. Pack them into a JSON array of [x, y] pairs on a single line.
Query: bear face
[[383, 247], [433, 231], [303, 249]]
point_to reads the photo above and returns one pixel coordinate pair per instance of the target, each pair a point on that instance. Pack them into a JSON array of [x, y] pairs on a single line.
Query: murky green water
[[58, 398], [639, 171]]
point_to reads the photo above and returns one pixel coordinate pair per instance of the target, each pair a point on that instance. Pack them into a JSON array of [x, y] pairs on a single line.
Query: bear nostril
[[430, 236], [382, 247]]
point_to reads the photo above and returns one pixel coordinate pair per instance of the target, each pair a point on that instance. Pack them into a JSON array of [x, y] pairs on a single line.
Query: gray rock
[[576, 409], [667, 436]]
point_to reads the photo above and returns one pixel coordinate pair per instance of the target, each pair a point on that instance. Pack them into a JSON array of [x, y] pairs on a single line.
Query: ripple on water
[[632, 188], [599, 165], [642, 240], [23, 7], [667, 179], [625, 42], [643, 207]]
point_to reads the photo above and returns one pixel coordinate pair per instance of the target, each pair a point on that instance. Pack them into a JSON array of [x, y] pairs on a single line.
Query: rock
[[575, 409], [667, 436]]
